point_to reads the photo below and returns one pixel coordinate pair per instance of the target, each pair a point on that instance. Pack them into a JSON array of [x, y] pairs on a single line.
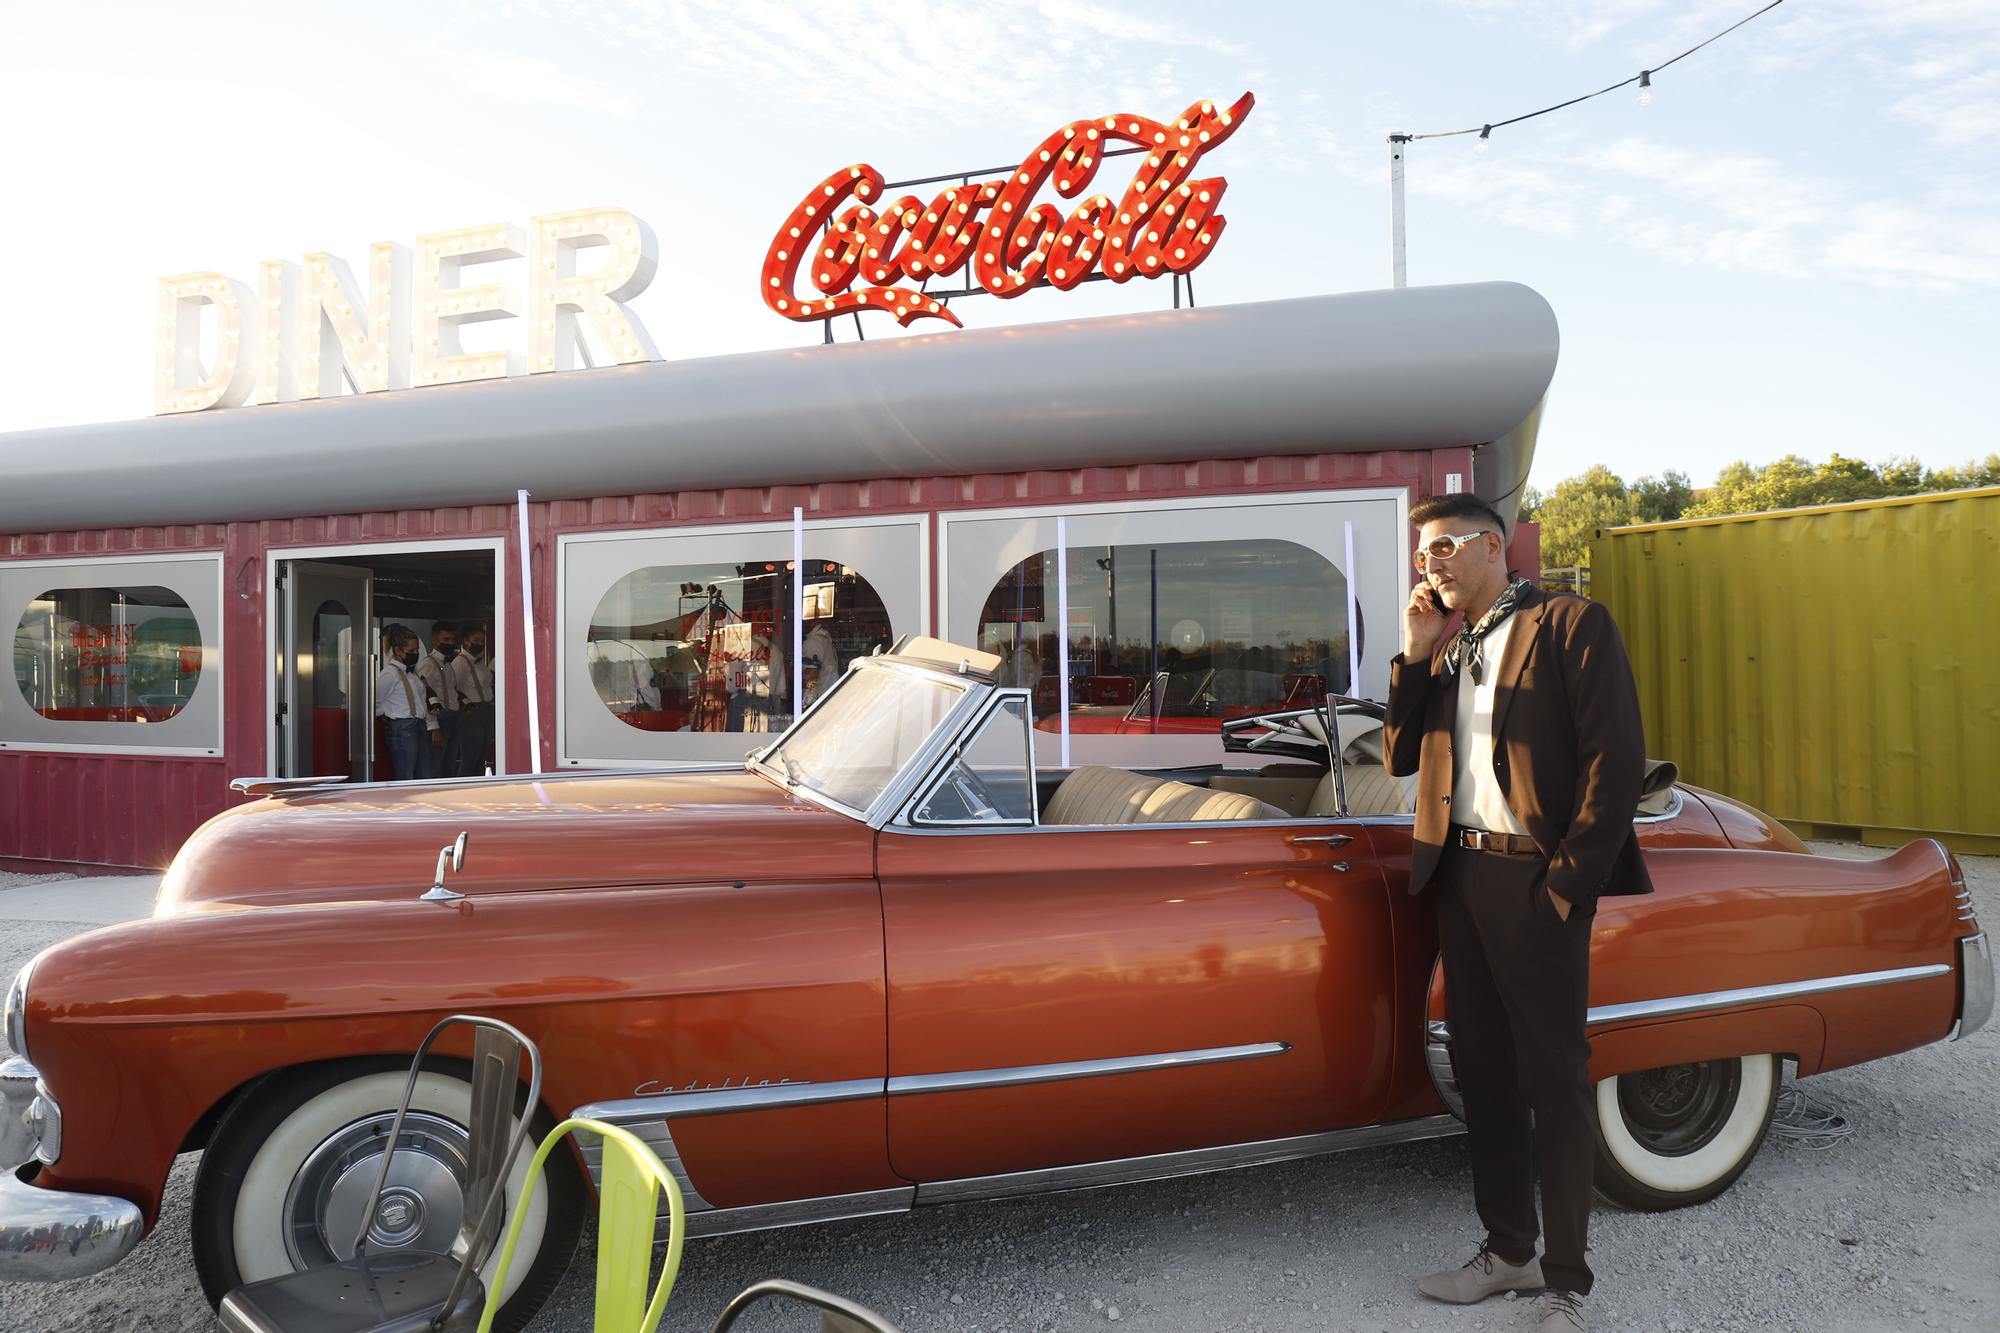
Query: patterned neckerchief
[[1464, 644]]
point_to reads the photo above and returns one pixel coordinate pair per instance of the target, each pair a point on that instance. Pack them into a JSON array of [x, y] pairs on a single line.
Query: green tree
[[1983, 473], [1577, 508], [1663, 498]]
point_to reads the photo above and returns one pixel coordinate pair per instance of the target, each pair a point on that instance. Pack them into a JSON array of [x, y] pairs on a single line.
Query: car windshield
[[856, 742]]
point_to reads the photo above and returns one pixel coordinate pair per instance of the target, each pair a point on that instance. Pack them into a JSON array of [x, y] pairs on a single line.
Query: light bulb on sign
[[1645, 87], [1485, 138]]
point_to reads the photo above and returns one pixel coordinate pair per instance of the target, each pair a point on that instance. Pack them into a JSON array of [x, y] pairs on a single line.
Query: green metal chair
[[627, 1215]]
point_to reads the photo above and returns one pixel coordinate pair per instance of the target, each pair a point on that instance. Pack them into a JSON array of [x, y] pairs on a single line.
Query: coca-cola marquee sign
[[857, 260]]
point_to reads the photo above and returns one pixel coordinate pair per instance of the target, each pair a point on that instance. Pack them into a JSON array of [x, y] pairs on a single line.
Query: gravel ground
[[1897, 1226]]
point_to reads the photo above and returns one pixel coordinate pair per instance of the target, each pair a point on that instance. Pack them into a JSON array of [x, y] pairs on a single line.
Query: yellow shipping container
[[1837, 667]]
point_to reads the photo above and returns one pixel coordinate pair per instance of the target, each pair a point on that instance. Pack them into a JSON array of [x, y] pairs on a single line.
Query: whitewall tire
[[289, 1169], [1680, 1135]]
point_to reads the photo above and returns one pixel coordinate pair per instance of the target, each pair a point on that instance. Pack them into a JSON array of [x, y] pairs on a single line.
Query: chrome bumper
[[49, 1235], [1975, 985]]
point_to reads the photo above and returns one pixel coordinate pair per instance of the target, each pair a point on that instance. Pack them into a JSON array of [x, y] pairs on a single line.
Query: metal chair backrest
[[627, 1216], [495, 1136], [837, 1313]]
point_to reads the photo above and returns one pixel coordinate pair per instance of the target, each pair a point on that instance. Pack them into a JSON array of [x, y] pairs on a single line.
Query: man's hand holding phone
[[1423, 623]]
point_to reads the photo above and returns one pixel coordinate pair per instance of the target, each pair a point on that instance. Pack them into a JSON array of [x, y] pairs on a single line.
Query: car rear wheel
[[1682, 1134], [289, 1169]]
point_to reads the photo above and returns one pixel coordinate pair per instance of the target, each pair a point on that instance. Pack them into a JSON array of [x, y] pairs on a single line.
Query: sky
[[1794, 249]]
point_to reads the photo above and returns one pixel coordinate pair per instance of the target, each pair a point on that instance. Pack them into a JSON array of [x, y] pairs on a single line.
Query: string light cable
[[1644, 78]]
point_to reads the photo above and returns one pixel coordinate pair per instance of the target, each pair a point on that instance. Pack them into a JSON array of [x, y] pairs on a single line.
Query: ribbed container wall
[[1837, 667]]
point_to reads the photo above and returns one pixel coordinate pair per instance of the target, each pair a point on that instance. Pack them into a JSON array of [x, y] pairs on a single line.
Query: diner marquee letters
[[310, 325], [1166, 222]]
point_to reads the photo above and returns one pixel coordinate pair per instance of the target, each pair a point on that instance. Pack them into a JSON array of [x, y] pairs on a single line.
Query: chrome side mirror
[[453, 857]]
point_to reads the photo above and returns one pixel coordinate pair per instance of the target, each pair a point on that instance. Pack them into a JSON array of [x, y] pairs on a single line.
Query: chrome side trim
[[908, 1085], [725, 1101], [1784, 990], [1198, 1161], [649, 1117], [655, 1135], [1975, 989], [799, 1212]]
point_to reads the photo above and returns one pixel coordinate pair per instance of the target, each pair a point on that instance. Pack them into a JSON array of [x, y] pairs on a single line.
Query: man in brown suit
[[1523, 729]]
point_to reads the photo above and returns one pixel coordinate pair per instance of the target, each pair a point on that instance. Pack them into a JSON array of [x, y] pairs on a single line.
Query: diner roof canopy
[[1413, 368]]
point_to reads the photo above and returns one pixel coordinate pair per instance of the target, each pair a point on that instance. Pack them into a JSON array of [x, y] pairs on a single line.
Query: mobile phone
[[1437, 602]]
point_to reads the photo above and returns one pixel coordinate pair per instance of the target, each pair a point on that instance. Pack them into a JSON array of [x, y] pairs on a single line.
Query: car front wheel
[[1682, 1134], [288, 1171]]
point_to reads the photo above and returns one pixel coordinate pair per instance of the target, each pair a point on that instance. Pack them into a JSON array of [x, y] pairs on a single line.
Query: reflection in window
[[708, 647], [1173, 638], [107, 654]]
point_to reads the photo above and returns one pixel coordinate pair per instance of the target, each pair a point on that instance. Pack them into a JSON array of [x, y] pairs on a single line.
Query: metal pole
[[1062, 632], [1399, 271], [528, 637], [798, 612]]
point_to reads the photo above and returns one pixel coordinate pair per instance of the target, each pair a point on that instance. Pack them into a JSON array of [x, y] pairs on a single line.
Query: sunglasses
[[1442, 548]]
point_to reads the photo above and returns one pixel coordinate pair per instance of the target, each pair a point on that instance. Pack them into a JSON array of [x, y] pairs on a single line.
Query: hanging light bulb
[[1485, 138], [1645, 87]]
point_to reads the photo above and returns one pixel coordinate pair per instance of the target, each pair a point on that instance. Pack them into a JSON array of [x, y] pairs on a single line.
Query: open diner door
[[326, 670]]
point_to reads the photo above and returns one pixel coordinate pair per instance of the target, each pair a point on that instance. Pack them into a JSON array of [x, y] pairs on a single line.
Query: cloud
[[904, 62], [532, 81], [1730, 211]]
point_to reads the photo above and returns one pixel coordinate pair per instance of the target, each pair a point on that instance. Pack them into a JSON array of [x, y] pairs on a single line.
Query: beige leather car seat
[[1114, 796], [1370, 791]]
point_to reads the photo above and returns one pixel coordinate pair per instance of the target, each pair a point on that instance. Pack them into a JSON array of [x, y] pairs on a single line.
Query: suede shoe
[[1481, 1276], [1562, 1312]]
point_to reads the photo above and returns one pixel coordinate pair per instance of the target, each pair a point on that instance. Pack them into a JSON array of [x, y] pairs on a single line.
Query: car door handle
[[1329, 839]]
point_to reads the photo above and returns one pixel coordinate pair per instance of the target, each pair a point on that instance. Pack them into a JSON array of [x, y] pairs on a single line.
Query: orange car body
[[936, 998]]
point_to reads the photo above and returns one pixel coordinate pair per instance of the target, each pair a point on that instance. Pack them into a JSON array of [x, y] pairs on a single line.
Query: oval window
[[1173, 638], [108, 654], [708, 647]]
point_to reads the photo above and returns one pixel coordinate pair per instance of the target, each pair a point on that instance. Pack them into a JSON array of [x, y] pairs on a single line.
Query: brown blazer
[[1568, 746]]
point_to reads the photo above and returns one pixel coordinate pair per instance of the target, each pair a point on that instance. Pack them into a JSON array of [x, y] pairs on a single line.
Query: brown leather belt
[[1479, 840]]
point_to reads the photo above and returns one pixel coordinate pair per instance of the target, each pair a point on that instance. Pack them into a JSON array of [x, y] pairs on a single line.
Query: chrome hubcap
[[420, 1205]]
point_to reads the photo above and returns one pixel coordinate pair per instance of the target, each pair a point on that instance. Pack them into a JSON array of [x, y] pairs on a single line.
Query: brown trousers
[[1517, 983]]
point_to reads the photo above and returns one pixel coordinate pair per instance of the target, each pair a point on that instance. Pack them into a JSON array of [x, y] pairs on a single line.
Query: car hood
[[693, 827]]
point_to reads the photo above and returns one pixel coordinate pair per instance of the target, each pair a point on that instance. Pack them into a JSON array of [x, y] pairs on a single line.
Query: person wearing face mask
[[400, 701], [471, 676], [434, 669]]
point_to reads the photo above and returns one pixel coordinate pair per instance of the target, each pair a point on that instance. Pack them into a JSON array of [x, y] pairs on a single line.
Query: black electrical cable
[[1485, 130]]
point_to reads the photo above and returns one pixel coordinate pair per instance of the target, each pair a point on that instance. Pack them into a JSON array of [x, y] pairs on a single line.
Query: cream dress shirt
[[1476, 798]]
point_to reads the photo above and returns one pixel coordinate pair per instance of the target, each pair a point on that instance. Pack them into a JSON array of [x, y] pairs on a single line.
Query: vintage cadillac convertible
[[887, 963]]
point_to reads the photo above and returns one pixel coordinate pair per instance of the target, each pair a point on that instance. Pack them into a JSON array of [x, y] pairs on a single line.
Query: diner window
[[107, 654], [707, 648], [676, 645], [112, 654], [1172, 638]]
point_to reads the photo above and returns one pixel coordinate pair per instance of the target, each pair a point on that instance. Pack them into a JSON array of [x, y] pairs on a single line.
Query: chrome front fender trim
[[1198, 1161], [800, 1212], [1975, 986], [910, 1085]]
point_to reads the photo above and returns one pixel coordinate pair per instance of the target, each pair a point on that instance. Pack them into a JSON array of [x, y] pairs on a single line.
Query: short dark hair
[[1459, 504], [445, 627], [400, 635]]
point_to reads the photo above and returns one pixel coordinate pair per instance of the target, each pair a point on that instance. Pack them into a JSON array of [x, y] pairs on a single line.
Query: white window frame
[[1386, 639], [212, 666], [917, 520], [273, 556]]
